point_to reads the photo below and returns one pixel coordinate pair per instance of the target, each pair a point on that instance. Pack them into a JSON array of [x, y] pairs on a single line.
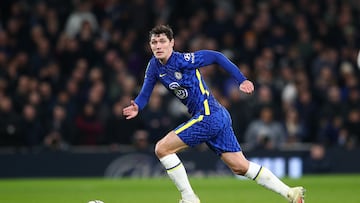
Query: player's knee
[[160, 150]]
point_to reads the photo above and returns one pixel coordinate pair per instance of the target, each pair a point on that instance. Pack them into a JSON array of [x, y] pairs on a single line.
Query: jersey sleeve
[[207, 57], [149, 82]]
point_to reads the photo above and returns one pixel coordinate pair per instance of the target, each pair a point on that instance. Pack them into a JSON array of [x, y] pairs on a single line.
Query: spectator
[[352, 122], [308, 113], [296, 130], [318, 160], [52, 27], [59, 131], [68, 103], [331, 132], [157, 122], [89, 129], [86, 37], [118, 129], [240, 112], [53, 141], [334, 106], [10, 130], [265, 132], [96, 97], [68, 54], [31, 128], [21, 93], [264, 97], [140, 141], [79, 16]]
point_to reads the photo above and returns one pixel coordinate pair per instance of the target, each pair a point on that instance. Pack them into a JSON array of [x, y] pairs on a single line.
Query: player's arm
[[142, 99], [207, 57]]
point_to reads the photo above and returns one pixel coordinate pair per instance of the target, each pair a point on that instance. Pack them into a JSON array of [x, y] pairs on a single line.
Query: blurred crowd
[[68, 68]]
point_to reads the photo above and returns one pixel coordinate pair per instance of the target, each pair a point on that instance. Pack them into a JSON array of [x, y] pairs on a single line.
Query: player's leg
[[241, 166], [166, 150], [188, 134], [263, 176], [227, 147]]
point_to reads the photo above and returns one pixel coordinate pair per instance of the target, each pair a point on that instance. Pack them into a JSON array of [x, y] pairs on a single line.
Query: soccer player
[[210, 122]]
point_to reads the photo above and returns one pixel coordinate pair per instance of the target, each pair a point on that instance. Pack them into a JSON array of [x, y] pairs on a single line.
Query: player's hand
[[247, 86], [131, 111]]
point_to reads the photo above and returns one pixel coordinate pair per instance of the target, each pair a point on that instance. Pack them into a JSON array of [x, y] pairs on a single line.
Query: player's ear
[[172, 42]]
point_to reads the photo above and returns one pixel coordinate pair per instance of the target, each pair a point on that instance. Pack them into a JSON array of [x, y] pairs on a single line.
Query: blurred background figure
[[295, 129], [140, 141], [59, 131], [265, 132], [119, 131], [90, 130], [81, 16], [32, 130], [318, 161], [156, 119], [10, 129]]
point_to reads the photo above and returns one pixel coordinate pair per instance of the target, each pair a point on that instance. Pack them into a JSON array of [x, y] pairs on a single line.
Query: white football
[[95, 201]]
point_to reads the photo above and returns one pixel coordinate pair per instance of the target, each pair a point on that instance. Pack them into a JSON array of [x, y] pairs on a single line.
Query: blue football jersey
[[182, 77]]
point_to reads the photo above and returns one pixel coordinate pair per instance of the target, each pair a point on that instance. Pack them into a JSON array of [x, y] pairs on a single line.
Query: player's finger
[[127, 110], [130, 117], [248, 89]]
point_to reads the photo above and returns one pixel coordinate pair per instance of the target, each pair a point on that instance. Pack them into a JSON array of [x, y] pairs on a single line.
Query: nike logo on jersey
[[162, 75]]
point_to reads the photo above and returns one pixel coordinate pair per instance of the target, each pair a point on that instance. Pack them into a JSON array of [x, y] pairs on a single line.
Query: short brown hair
[[162, 29]]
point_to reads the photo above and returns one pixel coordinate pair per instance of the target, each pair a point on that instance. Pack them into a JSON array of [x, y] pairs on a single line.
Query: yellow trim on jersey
[[203, 91], [190, 123], [207, 109]]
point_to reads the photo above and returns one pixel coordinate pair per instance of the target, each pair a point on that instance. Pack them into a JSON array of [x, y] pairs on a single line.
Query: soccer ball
[[95, 201]]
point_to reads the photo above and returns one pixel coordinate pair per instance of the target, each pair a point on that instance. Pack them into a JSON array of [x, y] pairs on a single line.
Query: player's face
[[161, 47]]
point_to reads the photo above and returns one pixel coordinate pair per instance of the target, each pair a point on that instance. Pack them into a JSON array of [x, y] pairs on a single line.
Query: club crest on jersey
[[178, 75]]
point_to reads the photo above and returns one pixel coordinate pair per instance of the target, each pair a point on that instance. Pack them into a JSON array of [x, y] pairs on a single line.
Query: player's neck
[[163, 61]]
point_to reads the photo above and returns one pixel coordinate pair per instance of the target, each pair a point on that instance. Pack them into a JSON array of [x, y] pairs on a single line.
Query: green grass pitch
[[320, 189]]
